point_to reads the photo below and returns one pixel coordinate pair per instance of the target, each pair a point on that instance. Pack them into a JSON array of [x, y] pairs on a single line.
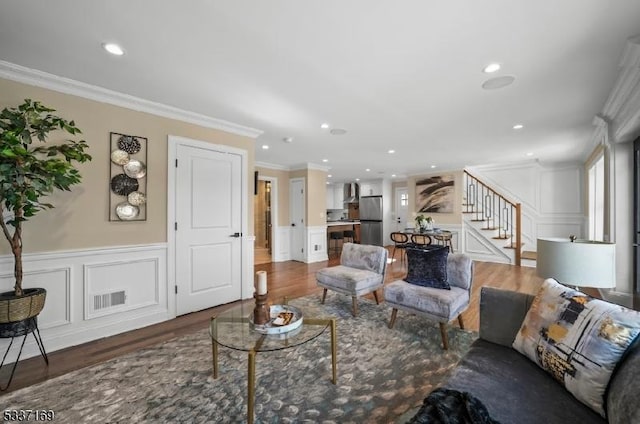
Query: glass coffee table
[[232, 329]]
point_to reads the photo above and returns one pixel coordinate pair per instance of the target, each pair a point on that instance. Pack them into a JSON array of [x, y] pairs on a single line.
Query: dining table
[[429, 234]]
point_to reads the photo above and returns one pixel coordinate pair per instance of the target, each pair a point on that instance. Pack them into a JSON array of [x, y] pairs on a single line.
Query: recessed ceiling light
[[367, 170], [288, 139], [490, 68], [357, 179], [391, 151], [393, 175], [329, 176], [113, 48], [433, 166], [325, 160], [498, 82], [518, 126], [337, 131], [265, 147], [530, 154], [328, 182], [324, 126]]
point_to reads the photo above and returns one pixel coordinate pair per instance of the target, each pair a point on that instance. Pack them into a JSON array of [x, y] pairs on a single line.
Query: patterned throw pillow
[[577, 339], [428, 266]]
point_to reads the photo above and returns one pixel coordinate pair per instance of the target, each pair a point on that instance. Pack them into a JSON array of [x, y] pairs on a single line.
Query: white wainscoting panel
[[57, 283], [71, 278], [477, 246], [561, 191], [456, 236], [138, 279], [557, 229], [316, 248], [282, 252], [249, 245]]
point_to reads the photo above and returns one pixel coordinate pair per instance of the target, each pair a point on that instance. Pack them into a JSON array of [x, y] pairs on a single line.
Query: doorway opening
[[262, 223]]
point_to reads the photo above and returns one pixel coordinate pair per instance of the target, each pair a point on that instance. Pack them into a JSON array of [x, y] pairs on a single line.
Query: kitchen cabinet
[[335, 196], [371, 189], [330, 195], [338, 196]]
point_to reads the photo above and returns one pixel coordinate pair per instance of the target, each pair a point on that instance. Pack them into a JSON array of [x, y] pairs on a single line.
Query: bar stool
[[444, 238], [349, 234], [336, 236]]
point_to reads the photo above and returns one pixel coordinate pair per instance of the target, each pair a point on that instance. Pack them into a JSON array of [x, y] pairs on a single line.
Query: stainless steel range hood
[[351, 193]]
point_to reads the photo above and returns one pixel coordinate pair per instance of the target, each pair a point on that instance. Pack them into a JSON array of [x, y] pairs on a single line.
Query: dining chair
[[400, 241], [420, 240], [444, 238]]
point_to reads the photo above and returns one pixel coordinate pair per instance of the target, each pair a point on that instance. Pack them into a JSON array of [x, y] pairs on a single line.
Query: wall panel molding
[[70, 277]]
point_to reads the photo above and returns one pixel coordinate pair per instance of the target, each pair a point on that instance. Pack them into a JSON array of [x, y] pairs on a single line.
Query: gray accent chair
[[437, 304], [361, 271]]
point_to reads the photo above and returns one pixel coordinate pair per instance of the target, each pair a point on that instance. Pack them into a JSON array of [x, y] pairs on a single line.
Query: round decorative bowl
[[277, 312]]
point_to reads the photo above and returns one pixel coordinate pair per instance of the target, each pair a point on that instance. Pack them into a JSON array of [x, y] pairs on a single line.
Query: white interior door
[[296, 196], [402, 208], [208, 243]]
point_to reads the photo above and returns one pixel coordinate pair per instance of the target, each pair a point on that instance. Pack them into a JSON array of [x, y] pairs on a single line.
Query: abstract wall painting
[[435, 194]]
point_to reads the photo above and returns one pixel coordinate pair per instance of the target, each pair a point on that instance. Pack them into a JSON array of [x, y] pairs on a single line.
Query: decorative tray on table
[[284, 318]]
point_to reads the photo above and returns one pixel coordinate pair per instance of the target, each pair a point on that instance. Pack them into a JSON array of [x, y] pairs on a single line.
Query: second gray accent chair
[[440, 305], [361, 271]]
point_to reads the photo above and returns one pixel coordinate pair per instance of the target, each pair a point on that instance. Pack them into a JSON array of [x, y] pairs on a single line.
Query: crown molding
[[29, 76], [271, 166], [309, 165], [622, 108]]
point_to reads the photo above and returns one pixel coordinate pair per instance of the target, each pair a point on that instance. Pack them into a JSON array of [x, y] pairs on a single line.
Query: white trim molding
[[70, 277], [309, 165], [316, 248], [29, 76], [622, 108], [271, 166], [282, 252]]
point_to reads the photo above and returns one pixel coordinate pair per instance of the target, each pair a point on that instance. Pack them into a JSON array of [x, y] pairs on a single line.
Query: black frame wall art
[[127, 177]]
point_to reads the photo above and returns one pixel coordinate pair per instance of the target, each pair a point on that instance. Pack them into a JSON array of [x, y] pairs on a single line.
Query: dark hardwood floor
[[291, 279]]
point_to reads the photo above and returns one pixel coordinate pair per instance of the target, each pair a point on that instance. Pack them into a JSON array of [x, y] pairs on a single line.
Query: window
[[404, 199], [596, 196]]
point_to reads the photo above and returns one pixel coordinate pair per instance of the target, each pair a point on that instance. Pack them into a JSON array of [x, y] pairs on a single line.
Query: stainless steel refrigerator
[[371, 220]]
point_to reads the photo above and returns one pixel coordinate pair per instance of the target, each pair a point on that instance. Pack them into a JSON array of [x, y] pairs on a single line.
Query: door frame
[[303, 206], [275, 242], [246, 259], [397, 207]]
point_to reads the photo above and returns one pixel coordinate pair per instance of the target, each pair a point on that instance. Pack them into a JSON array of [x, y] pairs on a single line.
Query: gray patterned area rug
[[382, 373]]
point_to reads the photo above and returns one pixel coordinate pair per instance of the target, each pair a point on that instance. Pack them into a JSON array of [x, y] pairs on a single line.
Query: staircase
[[492, 224]]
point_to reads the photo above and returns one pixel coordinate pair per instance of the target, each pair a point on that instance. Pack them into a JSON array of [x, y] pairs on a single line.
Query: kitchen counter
[[343, 222]]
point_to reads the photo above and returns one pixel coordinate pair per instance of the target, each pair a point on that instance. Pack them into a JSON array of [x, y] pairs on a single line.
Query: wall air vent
[[109, 300]]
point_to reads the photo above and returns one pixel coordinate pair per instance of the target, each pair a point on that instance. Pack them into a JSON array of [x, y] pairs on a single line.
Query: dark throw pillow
[[428, 266]]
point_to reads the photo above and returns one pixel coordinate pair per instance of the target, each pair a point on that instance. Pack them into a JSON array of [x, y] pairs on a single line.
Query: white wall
[[623, 200], [551, 196]]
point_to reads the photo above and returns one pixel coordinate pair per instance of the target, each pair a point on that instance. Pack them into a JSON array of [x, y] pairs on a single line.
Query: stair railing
[[496, 211]]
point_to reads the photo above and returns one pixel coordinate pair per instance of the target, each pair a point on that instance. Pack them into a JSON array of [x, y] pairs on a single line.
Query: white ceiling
[[403, 75]]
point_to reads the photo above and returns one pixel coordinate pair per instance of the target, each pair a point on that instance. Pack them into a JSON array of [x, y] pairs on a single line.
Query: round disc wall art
[[128, 177], [123, 185]]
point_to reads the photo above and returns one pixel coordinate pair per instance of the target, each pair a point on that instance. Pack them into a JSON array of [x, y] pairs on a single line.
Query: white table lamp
[[578, 263]]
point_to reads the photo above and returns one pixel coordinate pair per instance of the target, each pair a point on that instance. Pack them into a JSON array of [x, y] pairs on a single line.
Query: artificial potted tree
[[31, 169]]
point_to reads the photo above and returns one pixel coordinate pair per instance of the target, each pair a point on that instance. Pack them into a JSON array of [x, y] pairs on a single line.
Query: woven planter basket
[[18, 308]]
